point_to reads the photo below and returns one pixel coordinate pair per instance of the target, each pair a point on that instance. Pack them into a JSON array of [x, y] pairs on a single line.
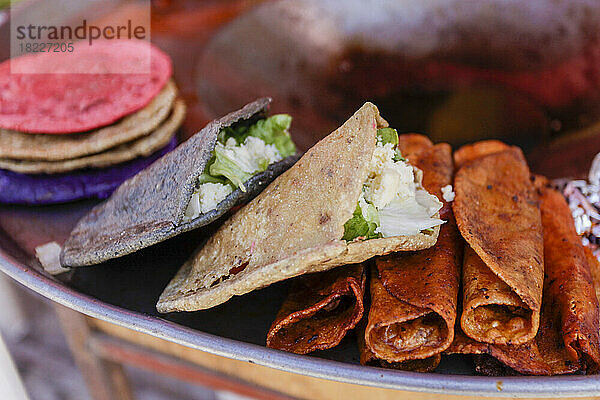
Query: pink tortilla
[[67, 102]]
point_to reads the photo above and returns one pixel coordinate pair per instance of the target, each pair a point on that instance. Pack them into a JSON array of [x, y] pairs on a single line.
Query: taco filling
[[393, 202], [241, 151]]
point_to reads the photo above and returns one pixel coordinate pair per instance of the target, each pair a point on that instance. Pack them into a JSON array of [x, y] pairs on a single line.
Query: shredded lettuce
[[238, 162], [272, 130], [393, 202], [208, 178], [390, 135], [225, 164], [409, 216], [398, 155], [359, 226], [387, 135], [243, 150]]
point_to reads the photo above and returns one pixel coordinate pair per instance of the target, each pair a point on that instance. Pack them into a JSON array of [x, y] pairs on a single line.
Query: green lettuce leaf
[[387, 135], [231, 132], [206, 177], [273, 130], [229, 168], [390, 135], [358, 226], [398, 156]]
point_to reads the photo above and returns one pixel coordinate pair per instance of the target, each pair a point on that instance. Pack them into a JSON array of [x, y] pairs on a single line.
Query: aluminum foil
[[583, 197]]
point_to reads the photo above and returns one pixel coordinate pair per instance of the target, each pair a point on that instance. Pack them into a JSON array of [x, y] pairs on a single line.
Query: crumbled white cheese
[[382, 156], [388, 179], [252, 155], [448, 193], [49, 256], [393, 188], [206, 198]]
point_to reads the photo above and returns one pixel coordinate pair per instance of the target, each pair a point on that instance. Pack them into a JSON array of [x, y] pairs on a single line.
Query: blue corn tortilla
[[43, 189], [149, 208]]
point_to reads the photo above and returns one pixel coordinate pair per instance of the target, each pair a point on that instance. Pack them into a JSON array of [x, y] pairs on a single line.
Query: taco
[[414, 295], [226, 163], [567, 339], [497, 213], [319, 310], [352, 196]]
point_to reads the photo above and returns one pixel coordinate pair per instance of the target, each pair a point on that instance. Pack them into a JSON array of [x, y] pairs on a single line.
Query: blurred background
[[459, 71]]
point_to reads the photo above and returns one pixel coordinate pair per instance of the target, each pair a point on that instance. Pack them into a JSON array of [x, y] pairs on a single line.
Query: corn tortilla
[[142, 147], [27, 146], [149, 208], [293, 227]]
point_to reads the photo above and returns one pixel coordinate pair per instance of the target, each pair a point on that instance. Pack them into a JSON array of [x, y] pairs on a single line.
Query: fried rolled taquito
[[368, 358], [497, 213], [319, 310], [414, 295], [594, 269], [567, 340], [569, 281]]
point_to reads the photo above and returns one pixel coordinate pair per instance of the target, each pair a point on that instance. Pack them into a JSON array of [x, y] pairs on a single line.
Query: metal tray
[[124, 292]]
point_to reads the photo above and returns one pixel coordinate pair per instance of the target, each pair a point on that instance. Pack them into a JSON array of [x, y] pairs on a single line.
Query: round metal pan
[[124, 292]]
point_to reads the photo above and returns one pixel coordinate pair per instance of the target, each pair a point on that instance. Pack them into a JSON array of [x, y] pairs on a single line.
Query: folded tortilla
[[293, 227], [569, 280], [497, 213], [567, 340], [319, 310], [150, 207], [414, 295]]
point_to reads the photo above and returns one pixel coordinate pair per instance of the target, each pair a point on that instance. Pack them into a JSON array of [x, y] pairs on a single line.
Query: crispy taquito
[[414, 295], [319, 310], [368, 358], [497, 213], [567, 340]]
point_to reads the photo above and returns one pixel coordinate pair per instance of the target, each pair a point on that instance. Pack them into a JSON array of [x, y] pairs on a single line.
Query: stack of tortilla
[[66, 136]]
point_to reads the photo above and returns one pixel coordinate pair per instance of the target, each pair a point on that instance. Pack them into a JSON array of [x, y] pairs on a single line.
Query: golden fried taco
[[367, 357], [567, 339], [414, 294], [319, 310], [350, 197], [497, 213]]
